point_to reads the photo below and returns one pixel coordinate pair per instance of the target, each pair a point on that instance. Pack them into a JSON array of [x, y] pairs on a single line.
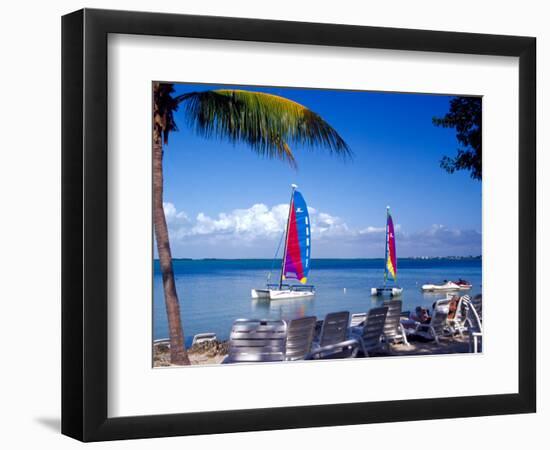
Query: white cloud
[[172, 215], [324, 225], [255, 232], [429, 242], [371, 230], [250, 223], [258, 221]]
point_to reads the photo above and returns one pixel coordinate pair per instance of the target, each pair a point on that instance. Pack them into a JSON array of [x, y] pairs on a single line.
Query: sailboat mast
[[286, 235], [386, 255]]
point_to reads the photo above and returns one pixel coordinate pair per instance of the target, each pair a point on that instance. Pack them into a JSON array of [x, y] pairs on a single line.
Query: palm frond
[[269, 124], [164, 106]]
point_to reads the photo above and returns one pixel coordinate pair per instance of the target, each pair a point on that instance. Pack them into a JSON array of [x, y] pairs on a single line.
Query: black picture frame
[[84, 224]]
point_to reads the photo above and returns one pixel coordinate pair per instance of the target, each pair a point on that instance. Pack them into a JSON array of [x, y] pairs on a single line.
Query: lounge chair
[[477, 303], [203, 337], [475, 330], [356, 323], [457, 322], [393, 330], [358, 319], [333, 340], [443, 303], [257, 341], [372, 336], [438, 326], [299, 338]]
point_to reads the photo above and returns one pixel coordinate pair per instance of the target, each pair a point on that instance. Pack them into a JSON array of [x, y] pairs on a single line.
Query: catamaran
[[296, 257], [390, 261]]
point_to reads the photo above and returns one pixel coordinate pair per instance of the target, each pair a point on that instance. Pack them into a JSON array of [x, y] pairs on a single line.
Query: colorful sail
[[391, 257], [298, 241]]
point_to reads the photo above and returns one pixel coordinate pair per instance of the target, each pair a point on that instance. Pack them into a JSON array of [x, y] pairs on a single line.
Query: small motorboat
[[463, 284], [447, 286]]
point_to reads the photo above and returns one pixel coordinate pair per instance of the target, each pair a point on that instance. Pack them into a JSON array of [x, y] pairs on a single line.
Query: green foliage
[[269, 124], [164, 106], [465, 116]]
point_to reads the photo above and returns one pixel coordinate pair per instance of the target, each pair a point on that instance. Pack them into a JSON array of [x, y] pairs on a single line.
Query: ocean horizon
[[320, 259], [213, 292]]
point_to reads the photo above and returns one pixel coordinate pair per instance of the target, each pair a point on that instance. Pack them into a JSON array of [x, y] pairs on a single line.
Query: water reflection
[[285, 309]]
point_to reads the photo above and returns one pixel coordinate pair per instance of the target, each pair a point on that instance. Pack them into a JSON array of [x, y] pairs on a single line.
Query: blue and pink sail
[[298, 241]]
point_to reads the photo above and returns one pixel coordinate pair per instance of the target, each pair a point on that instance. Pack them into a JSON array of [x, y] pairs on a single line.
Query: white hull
[[394, 292], [433, 288], [276, 294], [260, 293], [447, 287]]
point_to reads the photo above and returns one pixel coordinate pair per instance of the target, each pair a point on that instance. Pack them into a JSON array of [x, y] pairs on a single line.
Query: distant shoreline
[[422, 258]]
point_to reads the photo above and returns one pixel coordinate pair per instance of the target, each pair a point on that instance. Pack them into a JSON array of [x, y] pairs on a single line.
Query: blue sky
[[222, 200]]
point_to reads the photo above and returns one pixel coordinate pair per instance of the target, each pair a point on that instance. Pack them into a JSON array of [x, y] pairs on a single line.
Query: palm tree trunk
[[178, 353]]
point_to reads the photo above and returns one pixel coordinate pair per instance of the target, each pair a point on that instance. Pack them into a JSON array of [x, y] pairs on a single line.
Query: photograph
[[304, 224], [267, 225]]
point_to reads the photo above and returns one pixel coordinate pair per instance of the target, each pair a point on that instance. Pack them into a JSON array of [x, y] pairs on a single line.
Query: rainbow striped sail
[[298, 240], [391, 257]]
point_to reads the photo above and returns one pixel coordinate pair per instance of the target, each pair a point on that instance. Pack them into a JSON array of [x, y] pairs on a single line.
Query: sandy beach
[[205, 353], [212, 353]]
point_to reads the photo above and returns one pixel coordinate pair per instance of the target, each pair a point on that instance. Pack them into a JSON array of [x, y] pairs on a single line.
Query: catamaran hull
[[286, 294], [260, 293], [393, 292], [276, 294]]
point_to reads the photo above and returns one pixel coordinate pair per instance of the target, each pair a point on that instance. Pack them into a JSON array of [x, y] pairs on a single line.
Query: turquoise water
[[213, 293]]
